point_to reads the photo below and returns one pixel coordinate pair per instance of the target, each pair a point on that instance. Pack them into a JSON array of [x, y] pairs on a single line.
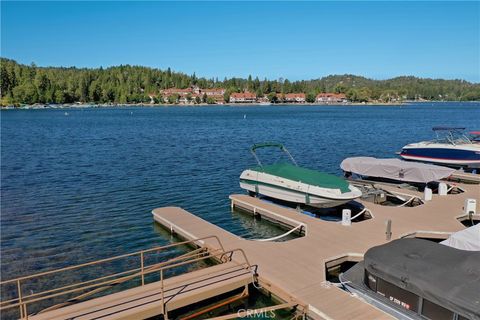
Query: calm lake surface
[[81, 186]]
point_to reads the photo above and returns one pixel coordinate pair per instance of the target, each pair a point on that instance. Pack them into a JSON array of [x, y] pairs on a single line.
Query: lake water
[[81, 186]]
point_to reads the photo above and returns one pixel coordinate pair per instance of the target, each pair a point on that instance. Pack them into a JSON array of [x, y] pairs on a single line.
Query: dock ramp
[[169, 292]]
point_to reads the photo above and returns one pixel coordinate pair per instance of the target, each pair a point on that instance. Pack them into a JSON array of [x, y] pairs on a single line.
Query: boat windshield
[[452, 136], [274, 145]]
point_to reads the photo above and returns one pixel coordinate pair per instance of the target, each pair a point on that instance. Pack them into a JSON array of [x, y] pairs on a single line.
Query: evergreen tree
[[29, 84]]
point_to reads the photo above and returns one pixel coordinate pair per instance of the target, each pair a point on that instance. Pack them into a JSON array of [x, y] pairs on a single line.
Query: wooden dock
[[146, 301], [146, 297], [295, 270]]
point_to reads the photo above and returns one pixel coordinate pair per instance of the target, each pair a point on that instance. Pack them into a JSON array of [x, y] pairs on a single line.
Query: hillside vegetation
[[29, 84]]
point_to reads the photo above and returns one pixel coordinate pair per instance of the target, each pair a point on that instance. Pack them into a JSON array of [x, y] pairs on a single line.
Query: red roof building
[[243, 97], [294, 97], [331, 98], [213, 92], [180, 92]]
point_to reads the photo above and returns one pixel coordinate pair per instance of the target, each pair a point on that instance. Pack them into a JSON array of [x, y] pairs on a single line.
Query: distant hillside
[[22, 84]]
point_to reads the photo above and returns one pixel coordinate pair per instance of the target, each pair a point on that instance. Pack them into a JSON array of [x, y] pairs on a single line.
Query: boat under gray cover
[[395, 169], [446, 276]]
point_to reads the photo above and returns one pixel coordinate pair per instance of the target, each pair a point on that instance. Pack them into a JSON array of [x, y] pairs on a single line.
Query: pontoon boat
[[289, 182], [418, 279]]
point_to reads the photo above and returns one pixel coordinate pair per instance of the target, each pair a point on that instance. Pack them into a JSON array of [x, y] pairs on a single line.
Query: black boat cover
[[443, 275]]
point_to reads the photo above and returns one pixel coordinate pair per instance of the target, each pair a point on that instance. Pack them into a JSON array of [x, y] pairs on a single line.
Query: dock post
[[142, 268], [20, 298], [165, 316], [427, 194], [388, 231], [346, 217]]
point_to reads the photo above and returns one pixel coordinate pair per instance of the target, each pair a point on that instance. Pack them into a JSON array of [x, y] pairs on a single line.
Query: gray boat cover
[[395, 169], [466, 239], [443, 275]]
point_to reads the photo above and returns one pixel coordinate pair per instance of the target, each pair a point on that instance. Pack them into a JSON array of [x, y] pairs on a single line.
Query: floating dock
[[296, 271]]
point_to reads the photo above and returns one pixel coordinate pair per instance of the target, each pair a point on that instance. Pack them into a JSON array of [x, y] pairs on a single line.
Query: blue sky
[[301, 40]]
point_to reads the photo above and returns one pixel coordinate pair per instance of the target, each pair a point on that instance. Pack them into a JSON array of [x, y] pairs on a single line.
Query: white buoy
[[442, 189], [427, 194], [244, 116], [346, 215]]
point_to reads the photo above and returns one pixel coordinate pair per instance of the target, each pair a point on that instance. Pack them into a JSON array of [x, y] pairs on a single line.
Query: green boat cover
[[308, 176]]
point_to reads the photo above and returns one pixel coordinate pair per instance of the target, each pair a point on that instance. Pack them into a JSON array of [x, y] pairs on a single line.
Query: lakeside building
[[192, 94], [331, 98], [295, 97], [213, 92], [243, 97], [195, 94], [291, 97], [217, 94], [263, 100]]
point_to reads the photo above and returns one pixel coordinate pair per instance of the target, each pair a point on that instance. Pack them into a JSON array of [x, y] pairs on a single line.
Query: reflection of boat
[[453, 149], [418, 279], [289, 182]]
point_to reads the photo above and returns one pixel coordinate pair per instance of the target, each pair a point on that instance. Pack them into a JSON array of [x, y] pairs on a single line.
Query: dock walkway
[[146, 301], [295, 270]]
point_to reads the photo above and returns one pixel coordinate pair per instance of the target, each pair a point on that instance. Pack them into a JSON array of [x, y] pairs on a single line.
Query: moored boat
[[452, 149], [393, 278], [381, 180], [292, 183], [395, 170]]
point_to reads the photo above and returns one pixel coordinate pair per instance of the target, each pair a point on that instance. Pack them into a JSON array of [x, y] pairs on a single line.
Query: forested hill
[[22, 84]]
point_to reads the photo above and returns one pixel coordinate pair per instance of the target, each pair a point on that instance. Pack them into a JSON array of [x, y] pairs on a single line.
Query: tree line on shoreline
[[29, 84]]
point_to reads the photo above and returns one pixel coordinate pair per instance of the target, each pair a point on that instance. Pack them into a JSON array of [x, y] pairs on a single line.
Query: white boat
[[466, 239], [382, 180], [289, 182], [454, 149], [395, 170]]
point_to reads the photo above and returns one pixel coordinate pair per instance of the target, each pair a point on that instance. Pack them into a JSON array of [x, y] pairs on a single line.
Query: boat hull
[[293, 191], [450, 156]]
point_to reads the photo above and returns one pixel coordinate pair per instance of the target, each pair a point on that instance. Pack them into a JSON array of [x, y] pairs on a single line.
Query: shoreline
[[148, 105]]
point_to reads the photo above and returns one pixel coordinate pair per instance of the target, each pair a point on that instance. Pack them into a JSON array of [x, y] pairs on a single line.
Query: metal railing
[[102, 283]]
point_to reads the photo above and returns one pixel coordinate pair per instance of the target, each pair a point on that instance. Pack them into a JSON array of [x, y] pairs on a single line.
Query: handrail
[[118, 280], [176, 244], [162, 266], [186, 256], [137, 274]]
